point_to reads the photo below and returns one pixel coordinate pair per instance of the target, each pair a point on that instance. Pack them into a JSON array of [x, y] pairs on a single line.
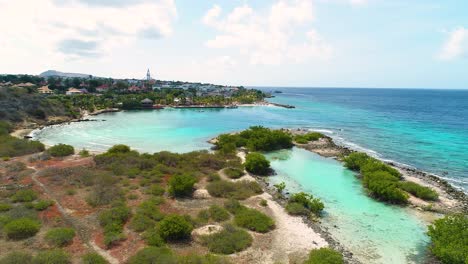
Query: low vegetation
[[419, 191], [238, 190], [230, 240], [175, 227], [256, 138], [93, 258], [60, 237], [449, 237], [253, 220], [55, 256], [384, 182], [234, 173], [21, 228], [324, 256], [11, 146], [181, 185], [215, 213], [304, 204], [257, 164], [306, 138], [112, 221], [61, 150]]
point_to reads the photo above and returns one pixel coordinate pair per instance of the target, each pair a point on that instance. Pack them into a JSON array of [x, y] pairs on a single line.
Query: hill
[[53, 73]]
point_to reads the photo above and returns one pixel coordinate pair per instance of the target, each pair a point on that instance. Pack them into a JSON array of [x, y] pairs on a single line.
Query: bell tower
[[148, 75]]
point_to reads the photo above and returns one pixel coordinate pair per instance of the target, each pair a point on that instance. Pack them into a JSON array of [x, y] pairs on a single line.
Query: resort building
[[73, 91], [45, 90], [147, 103], [103, 88]]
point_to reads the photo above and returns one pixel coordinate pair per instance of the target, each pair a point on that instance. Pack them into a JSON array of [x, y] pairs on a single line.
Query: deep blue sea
[[427, 129]]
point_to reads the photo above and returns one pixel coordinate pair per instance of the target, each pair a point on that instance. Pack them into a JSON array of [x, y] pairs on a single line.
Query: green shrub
[[233, 206], [256, 138], [152, 238], [12, 147], [296, 209], [254, 220], [307, 201], [234, 173], [147, 215], [61, 150], [300, 139], [60, 236], [93, 258], [84, 153], [17, 257], [324, 256], [215, 212], [256, 163], [154, 255], [355, 160], [24, 196], [21, 228], [206, 259], [449, 237], [229, 240], [119, 149], [174, 227], [55, 256], [419, 191], [112, 221], [313, 136], [239, 190], [156, 190], [218, 213], [384, 186], [5, 207], [41, 205], [181, 185], [263, 203]]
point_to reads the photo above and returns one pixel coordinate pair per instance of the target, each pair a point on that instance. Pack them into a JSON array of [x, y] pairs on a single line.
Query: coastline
[[451, 200]]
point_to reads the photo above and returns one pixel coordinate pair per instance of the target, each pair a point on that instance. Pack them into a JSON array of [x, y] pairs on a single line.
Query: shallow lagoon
[[375, 232]]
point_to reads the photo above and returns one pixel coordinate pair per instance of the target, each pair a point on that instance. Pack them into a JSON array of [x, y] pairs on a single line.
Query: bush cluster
[[181, 185], [324, 256], [112, 221], [449, 237], [239, 190], [60, 236], [93, 258], [55, 256], [383, 181], [21, 228], [256, 138], [175, 227], [256, 163], [215, 213], [304, 204], [61, 150], [146, 216], [229, 240], [234, 173], [253, 220], [164, 255], [419, 191], [311, 136], [25, 195], [41, 205]]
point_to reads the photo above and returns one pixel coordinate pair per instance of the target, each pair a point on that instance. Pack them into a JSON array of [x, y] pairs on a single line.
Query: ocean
[[425, 129]]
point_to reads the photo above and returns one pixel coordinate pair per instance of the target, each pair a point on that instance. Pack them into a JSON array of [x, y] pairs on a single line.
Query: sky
[[297, 43]]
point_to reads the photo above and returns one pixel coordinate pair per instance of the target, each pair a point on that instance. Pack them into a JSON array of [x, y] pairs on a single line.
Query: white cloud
[[358, 2], [456, 45], [282, 34], [71, 28]]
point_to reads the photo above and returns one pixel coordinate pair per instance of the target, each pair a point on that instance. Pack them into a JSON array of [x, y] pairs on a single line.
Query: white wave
[[325, 131]]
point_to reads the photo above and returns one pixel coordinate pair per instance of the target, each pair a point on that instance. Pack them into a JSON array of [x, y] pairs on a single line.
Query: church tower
[[148, 75]]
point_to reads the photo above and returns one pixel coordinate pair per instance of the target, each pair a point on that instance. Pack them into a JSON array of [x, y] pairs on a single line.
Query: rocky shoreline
[[452, 200]]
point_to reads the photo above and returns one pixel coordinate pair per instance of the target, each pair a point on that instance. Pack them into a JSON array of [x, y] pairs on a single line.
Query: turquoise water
[[375, 233], [425, 129]]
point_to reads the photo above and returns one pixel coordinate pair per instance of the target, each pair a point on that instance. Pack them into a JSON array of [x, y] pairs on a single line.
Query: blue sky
[[316, 43]]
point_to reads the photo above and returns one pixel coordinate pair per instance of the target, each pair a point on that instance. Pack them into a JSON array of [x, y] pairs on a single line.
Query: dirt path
[[79, 228]]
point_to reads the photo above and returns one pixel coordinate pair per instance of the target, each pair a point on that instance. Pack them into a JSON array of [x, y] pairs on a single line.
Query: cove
[[374, 232]]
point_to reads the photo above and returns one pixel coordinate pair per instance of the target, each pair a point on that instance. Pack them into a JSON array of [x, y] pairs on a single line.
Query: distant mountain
[[52, 73]]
